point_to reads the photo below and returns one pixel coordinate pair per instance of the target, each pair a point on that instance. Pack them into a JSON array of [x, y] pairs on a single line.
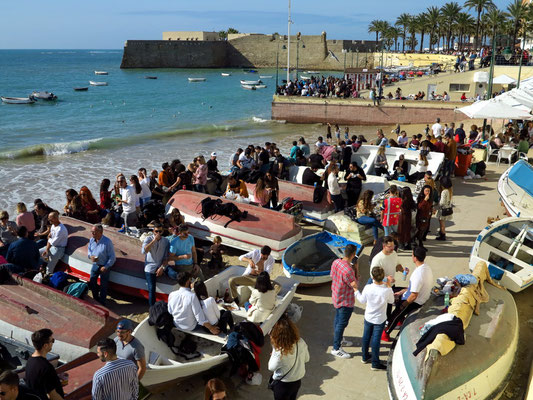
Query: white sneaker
[[340, 353], [346, 343]]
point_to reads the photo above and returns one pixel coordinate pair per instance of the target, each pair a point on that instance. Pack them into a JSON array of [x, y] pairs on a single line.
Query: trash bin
[[462, 162]]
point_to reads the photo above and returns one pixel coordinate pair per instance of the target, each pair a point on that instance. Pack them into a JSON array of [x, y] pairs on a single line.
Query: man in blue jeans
[[183, 252], [155, 249], [102, 254], [344, 273]]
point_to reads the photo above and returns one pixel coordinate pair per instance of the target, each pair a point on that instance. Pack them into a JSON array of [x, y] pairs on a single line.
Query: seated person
[[23, 253], [185, 307], [400, 167], [183, 252], [216, 317], [237, 186], [310, 177], [262, 300]]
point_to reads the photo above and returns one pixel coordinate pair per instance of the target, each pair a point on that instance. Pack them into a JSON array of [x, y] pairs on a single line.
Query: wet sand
[[326, 375]]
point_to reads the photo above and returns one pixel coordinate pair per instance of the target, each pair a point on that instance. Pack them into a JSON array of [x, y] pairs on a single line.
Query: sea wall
[[361, 112]]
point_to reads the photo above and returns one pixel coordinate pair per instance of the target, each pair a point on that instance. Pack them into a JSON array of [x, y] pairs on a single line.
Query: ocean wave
[[260, 120], [49, 149]]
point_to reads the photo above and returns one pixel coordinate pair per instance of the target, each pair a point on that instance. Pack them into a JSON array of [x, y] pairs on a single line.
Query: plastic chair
[[506, 154], [491, 152]]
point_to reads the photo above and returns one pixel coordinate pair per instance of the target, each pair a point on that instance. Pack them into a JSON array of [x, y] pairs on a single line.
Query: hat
[[213, 154], [125, 325]]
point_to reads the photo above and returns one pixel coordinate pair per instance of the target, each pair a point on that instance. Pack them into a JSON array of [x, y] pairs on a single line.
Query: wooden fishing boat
[[309, 260], [94, 83], [126, 275], [80, 376], [245, 82], [479, 369], [260, 86], [226, 74], [150, 77], [261, 227], [101, 73], [249, 87], [14, 355], [43, 96], [516, 190], [197, 79], [81, 89], [26, 306], [507, 248], [265, 76], [164, 367], [18, 100]]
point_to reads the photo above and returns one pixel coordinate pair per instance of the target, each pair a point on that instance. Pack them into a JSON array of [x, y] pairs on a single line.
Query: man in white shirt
[[185, 307], [414, 297], [403, 140], [334, 188], [387, 259], [57, 241], [144, 181], [128, 200], [437, 128], [258, 261], [320, 143]]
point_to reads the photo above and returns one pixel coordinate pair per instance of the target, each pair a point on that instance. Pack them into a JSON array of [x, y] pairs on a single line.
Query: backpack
[[78, 289], [159, 317], [5, 275], [209, 207], [58, 280], [318, 193]]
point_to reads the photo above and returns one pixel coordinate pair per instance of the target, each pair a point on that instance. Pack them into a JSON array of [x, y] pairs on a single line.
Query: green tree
[[403, 21], [479, 6], [422, 26], [464, 22], [517, 12], [374, 27], [449, 13], [433, 19]]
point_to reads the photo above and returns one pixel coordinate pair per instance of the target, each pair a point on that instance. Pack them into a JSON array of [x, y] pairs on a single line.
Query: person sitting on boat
[[156, 250], [165, 178], [381, 166], [185, 307], [41, 212], [216, 317], [414, 296], [129, 347], [245, 160], [271, 189], [309, 177], [57, 241], [183, 252], [102, 254], [279, 168], [421, 169], [8, 232], [400, 168], [317, 159], [304, 147], [236, 187], [262, 300], [258, 261], [91, 206], [381, 139], [365, 213], [403, 140], [213, 172], [12, 389], [23, 254], [69, 194]]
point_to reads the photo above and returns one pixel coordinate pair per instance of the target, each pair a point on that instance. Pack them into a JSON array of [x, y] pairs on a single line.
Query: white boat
[[249, 87], [260, 86], [18, 100], [305, 78], [261, 227], [43, 96], [226, 74], [164, 367], [101, 73], [309, 260], [480, 369], [257, 82], [197, 79], [516, 189], [313, 72], [94, 83], [265, 76], [507, 248]]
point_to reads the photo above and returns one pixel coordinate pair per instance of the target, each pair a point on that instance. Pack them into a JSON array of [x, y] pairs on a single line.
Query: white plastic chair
[[491, 152], [506, 154]]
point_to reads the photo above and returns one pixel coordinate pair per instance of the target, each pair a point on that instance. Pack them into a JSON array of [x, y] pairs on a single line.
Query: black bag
[[318, 193], [446, 211], [209, 207], [187, 345], [273, 382], [162, 320]]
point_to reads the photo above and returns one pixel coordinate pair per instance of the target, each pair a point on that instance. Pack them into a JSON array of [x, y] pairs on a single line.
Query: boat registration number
[[468, 395]]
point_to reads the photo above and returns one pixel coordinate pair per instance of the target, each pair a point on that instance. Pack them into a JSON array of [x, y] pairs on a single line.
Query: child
[[414, 143], [376, 296], [216, 252]]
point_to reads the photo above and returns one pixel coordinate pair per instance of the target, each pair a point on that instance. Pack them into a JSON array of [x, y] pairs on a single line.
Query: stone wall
[[361, 112]]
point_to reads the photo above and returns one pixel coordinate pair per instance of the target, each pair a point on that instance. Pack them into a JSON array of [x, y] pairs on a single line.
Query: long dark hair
[[104, 186], [263, 283], [407, 199], [138, 188], [421, 195], [201, 291]]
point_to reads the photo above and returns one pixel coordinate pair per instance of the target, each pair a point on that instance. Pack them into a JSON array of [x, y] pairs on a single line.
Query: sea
[[83, 137]]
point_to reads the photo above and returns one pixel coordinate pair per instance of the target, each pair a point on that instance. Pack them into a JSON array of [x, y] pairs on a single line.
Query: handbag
[[447, 211], [273, 382]]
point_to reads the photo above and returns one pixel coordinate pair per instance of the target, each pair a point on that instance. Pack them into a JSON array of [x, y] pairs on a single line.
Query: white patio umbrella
[[504, 80], [496, 109]]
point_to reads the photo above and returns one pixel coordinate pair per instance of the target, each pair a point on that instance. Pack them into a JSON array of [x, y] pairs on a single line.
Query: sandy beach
[[326, 375]]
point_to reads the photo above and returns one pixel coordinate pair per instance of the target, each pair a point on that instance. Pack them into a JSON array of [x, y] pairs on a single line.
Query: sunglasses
[[158, 231], [3, 393]]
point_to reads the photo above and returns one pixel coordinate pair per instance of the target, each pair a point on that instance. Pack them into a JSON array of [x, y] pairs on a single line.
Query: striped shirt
[[116, 380]]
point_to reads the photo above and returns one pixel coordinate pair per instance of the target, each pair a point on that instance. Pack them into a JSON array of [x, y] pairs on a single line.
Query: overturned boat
[[516, 189], [507, 248]]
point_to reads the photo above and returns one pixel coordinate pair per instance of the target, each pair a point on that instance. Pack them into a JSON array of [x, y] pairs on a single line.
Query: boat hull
[[93, 83], [197, 79], [511, 187], [17, 100]]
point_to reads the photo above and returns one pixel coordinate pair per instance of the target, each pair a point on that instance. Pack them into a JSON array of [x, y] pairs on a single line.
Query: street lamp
[[344, 52], [289, 45]]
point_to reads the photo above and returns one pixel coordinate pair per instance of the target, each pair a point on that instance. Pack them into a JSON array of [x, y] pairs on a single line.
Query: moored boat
[[516, 190], [94, 83], [479, 369], [507, 248], [226, 74], [245, 82], [18, 100], [43, 96], [261, 226], [164, 367], [309, 260], [260, 86], [265, 76], [249, 87], [101, 73], [81, 89], [313, 72], [197, 79], [150, 77]]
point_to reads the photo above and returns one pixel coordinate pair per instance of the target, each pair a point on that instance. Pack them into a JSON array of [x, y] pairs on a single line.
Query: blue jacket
[[24, 253]]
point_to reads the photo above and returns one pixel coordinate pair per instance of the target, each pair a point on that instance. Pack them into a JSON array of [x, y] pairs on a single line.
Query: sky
[[98, 24]]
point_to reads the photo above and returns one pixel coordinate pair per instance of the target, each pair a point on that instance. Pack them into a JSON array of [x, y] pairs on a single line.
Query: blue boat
[[309, 260]]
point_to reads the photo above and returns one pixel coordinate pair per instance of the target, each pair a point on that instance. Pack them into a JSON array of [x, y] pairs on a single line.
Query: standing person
[[460, 134], [102, 254], [155, 249], [8, 232], [105, 195], [41, 376], [328, 134], [334, 188], [117, 379], [414, 296], [128, 199], [346, 156], [57, 241], [271, 189], [354, 178], [337, 133], [437, 129], [287, 360], [381, 166], [215, 390], [405, 220], [423, 214], [450, 152], [445, 211], [137, 189], [200, 175], [183, 252], [10, 388], [304, 147], [129, 347], [387, 259], [344, 273], [25, 218], [377, 296], [145, 182], [391, 211]]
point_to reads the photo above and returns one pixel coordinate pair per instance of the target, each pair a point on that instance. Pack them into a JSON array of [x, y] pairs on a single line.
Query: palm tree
[[433, 19], [517, 12], [422, 27], [403, 20], [496, 20], [413, 29], [449, 13], [463, 22], [391, 36], [480, 6]]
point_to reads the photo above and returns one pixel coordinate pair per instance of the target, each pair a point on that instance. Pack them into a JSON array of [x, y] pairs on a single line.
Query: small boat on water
[[249, 87], [18, 100], [250, 71], [26, 306], [516, 189], [260, 86], [480, 369], [43, 96], [164, 367], [507, 248], [313, 72], [197, 79], [265, 76], [261, 227], [150, 77], [94, 83], [245, 82], [305, 78], [81, 89], [309, 260], [101, 73], [226, 74]]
